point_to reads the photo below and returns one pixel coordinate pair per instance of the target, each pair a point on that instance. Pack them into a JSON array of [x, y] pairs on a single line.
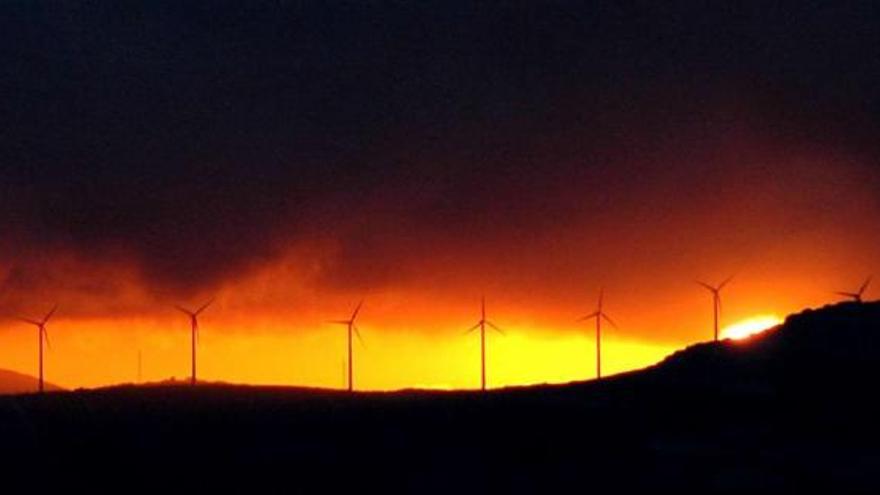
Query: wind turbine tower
[[599, 315], [716, 301], [41, 334], [194, 333], [352, 331], [481, 325]]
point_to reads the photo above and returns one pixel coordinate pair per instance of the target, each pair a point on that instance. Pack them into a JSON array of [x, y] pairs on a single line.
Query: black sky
[[199, 139]]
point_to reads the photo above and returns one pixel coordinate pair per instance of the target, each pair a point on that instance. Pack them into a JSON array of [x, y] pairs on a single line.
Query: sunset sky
[[293, 158]]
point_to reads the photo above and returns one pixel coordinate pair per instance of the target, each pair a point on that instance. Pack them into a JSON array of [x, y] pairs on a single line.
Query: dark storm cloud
[[198, 139]]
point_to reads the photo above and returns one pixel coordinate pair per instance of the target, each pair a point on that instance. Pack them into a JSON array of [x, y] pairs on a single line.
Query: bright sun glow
[[750, 326]]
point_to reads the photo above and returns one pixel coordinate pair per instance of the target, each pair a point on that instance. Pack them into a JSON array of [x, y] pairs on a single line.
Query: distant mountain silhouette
[[12, 382], [792, 410]]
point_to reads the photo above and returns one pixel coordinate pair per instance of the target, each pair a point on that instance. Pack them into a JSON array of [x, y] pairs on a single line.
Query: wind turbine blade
[[865, 285], [183, 310], [204, 306], [708, 287], [26, 320], [609, 320], [471, 329], [726, 281], [495, 327], [847, 294], [46, 335], [357, 310], [357, 333], [589, 316], [50, 313]]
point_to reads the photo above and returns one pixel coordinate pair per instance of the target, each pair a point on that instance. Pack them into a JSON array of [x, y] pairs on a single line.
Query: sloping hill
[[840, 342], [12, 382], [790, 411]]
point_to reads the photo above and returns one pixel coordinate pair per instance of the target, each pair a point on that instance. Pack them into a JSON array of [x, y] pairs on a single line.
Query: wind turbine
[[856, 296], [41, 333], [352, 329], [482, 326], [716, 300], [599, 315], [194, 332]]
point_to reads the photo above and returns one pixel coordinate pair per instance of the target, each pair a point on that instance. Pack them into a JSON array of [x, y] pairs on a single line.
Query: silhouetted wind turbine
[[41, 333], [599, 315], [194, 332], [352, 329], [482, 326], [856, 296], [716, 300]]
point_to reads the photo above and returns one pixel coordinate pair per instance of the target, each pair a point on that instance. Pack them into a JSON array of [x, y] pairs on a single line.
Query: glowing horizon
[[750, 326], [265, 350]]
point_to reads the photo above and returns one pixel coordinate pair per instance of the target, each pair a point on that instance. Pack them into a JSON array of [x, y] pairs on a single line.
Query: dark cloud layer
[[197, 139]]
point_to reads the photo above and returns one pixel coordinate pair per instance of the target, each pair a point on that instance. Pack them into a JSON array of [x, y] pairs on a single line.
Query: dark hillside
[[791, 410]]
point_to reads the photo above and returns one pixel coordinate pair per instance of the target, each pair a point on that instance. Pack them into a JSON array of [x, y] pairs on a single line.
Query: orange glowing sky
[[792, 232], [264, 329], [293, 158]]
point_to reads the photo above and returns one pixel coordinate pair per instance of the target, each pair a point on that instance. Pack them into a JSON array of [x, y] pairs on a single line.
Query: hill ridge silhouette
[[838, 340], [13, 382], [789, 410], [808, 324]]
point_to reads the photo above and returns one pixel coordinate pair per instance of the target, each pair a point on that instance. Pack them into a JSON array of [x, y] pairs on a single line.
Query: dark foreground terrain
[[791, 411]]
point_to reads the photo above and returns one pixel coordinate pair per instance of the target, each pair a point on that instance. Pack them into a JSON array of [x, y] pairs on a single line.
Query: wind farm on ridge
[[482, 325]]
